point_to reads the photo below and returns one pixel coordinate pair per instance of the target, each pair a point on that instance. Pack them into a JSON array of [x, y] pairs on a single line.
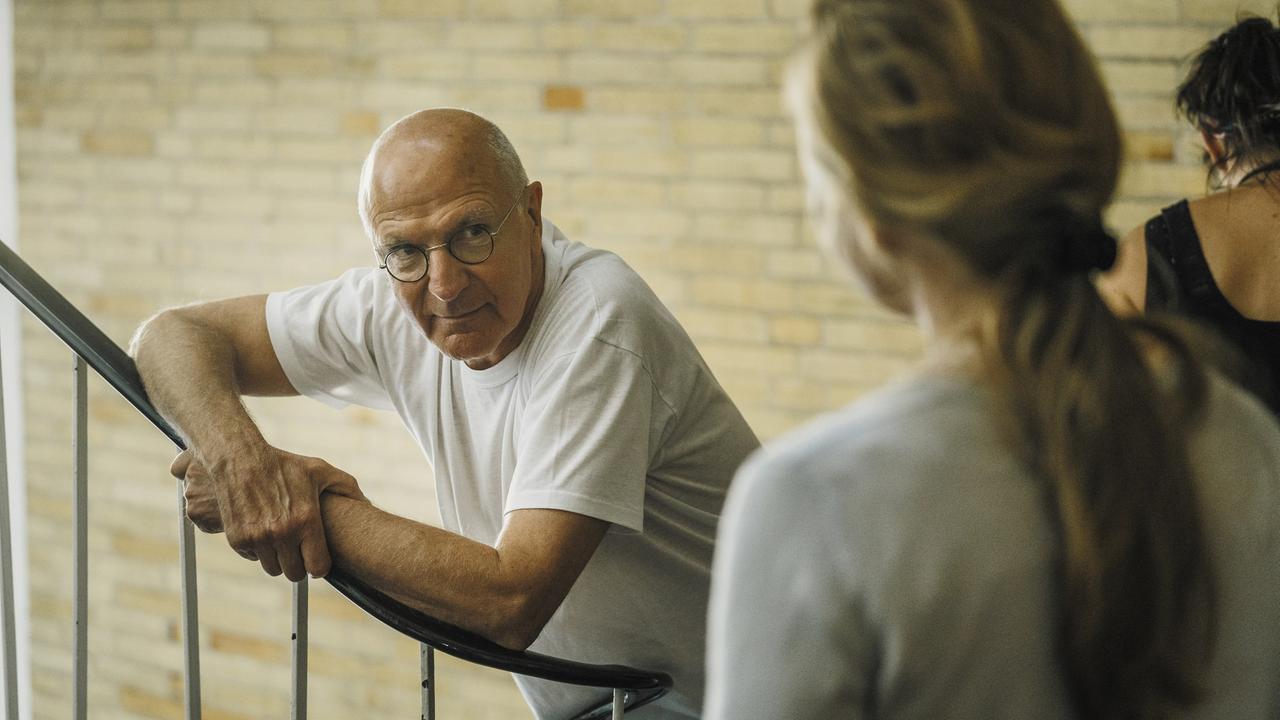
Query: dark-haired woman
[[1217, 258], [1064, 514]]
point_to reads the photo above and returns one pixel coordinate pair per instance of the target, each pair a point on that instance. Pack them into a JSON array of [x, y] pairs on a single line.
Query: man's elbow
[[154, 327], [519, 620]]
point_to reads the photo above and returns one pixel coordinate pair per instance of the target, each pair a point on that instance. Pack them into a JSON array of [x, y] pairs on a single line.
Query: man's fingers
[[291, 562], [270, 562], [315, 553]]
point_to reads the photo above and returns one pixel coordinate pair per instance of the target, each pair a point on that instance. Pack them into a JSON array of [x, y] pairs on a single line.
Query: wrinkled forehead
[[431, 166]]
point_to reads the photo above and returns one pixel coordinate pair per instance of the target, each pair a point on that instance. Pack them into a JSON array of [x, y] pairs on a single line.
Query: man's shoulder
[[599, 296]]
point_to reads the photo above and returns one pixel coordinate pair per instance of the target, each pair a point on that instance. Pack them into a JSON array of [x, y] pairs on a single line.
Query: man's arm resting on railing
[[505, 593], [196, 362]]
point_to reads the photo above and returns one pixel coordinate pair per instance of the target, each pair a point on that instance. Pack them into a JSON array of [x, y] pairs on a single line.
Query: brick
[[637, 99], [213, 117], [593, 191], [295, 64], [417, 8], [901, 337], [1155, 42], [1145, 113], [717, 195], [361, 123], [725, 325], [488, 36], [566, 36], [795, 330], [117, 143], [1091, 11], [237, 644], [733, 164], [137, 9], [1156, 180], [753, 103], [590, 68], [231, 35], [294, 9], [718, 9], [514, 8], [651, 38], [563, 97], [422, 66], [770, 39], [1147, 77], [617, 129], [215, 9], [118, 37], [614, 9], [532, 67], [213, 64], [1149, 146], [1222, 13], [312, 36], [712, 132], [719, 71], [236, 92]]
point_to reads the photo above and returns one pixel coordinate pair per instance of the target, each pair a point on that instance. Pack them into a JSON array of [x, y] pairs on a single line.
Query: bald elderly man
[[581, 446]]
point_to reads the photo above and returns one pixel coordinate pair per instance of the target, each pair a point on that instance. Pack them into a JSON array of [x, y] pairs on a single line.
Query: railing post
[[6, 578], [299, 706], [80, 557], [427, 659], [619, 704], [190, 610]]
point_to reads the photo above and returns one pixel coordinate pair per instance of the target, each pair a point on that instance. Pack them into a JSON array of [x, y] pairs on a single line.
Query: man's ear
[[534, 207]]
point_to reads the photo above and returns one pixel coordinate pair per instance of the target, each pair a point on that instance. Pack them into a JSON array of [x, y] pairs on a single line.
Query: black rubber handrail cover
[[118, 369]]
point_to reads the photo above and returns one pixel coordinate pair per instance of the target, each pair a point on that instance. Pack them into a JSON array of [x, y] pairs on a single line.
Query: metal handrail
[[118, 369]]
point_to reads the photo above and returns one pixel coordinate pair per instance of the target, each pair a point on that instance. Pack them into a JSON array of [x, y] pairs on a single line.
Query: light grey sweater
[[894, 560]]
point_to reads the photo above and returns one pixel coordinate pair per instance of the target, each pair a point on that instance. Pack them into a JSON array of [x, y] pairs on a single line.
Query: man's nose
[[446, 277]]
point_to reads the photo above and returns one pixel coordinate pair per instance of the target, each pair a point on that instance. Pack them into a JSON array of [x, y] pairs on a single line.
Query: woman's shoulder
[[899, 431]]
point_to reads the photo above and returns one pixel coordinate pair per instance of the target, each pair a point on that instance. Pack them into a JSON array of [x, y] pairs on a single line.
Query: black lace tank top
[[1178, 280]]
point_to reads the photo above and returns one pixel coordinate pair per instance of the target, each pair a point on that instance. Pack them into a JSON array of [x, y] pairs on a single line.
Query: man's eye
[[473, 232]]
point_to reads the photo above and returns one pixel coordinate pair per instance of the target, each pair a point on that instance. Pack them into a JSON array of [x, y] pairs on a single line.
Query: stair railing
[[632, 688]]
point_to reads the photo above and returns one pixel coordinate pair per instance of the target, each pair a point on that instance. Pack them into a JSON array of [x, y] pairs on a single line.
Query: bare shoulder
[[1124, 287], [1238, 231]]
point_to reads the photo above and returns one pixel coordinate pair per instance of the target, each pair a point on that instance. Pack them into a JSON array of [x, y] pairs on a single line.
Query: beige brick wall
[[178, 150]]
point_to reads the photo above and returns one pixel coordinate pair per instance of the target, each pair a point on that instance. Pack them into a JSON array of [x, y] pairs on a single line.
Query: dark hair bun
[[1233, 87]]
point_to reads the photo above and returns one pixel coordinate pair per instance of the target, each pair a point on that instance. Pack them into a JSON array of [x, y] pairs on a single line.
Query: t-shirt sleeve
[[585, 436], [323, 337], [785, 638]]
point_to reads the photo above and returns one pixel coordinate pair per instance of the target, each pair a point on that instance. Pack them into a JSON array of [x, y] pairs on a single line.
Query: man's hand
[[269, 506]]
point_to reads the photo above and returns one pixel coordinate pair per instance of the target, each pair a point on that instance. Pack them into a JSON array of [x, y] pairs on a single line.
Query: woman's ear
[[1214, 144]]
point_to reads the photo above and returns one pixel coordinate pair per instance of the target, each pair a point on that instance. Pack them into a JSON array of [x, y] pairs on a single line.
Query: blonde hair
[[983, 124]]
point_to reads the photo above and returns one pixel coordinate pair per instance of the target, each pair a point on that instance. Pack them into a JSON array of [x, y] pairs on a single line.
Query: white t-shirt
[[605, 409], [894, 561]]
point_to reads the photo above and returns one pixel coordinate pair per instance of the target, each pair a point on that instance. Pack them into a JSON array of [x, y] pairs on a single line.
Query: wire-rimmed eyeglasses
[[471, 245]]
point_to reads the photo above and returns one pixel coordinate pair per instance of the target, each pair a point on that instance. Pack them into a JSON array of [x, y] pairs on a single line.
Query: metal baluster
[[6, 578], [80, 559], [619, 706], [299, 707], [190, 610], [428, 662]]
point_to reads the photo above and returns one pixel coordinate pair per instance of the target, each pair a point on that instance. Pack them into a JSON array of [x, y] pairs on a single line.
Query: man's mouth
[[458, 315]]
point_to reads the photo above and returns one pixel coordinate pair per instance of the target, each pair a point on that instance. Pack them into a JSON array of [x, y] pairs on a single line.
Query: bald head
[[438, 142]]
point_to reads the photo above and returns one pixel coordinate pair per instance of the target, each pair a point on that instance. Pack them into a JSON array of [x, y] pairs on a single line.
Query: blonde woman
[[1062, 514]]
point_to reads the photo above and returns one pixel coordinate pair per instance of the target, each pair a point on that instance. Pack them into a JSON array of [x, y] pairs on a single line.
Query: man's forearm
[[504, 594], [189, 373]]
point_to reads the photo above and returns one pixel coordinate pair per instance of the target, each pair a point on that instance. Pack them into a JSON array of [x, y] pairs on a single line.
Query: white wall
[[9, 360]]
